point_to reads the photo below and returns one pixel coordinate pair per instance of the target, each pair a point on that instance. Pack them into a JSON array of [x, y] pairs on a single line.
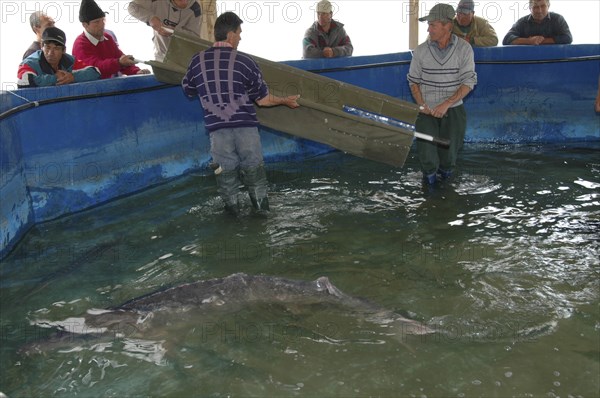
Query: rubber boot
[[445, 174], [429, 179], [228, 186], [255, 180]]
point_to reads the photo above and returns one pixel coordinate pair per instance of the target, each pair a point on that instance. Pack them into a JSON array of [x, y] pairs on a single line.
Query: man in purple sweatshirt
[[228, 84]]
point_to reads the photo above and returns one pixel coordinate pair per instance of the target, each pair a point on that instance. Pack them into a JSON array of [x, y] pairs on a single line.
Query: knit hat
[[89, 11], [440, 12], [465, 6], [54, 34], [324, 6]]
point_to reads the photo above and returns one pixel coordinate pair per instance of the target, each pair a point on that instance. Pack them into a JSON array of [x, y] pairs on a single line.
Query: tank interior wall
[[71, 153]]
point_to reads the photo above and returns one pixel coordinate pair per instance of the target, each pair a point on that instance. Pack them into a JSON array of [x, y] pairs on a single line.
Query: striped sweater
[[228, 83], [439, 73]]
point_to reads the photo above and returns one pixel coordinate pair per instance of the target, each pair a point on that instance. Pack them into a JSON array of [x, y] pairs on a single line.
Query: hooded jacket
[[188, 19]]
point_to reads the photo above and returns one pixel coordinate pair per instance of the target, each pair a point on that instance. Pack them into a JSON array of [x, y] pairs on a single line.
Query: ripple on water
[[475, 185], [587, 184]]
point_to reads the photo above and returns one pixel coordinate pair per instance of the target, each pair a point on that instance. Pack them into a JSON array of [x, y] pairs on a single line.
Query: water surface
[[502, 261]]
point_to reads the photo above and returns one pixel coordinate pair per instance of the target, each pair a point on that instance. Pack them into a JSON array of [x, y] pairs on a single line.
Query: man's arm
[[84, 73], [344, 47], [290, 101], [85, 51], [415, 90], [563, 34], [461, 93], [28, 77], [531, 41], [144, 11], [310, 48], [141, 10], [514, 34], [188, 82], [440, 110]]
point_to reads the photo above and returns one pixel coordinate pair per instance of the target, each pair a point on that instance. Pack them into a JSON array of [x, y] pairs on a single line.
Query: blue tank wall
[[79, 153], [15, 203]]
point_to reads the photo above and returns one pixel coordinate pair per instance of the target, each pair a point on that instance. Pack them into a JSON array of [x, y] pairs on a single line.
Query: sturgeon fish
[[235, 291], [241, 288]]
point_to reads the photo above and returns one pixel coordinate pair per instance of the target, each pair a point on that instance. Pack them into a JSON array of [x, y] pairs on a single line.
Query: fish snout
[[323, 284]]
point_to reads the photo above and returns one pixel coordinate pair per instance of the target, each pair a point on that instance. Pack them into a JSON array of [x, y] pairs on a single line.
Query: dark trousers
[[451, 127]]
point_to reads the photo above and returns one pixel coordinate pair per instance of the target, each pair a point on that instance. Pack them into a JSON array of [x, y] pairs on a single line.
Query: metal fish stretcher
[[323, 115]]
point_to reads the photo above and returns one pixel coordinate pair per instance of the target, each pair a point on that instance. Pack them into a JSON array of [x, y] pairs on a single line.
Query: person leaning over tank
[[39, 22], [165, 16], [477, 31], [52, 66], [98, 47], [540, 27], [441, 74], [326, 38], [228, 84]]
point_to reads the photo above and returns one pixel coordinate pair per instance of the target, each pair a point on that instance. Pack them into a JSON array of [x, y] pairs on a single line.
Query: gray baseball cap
[[465, 6], [440, 12]]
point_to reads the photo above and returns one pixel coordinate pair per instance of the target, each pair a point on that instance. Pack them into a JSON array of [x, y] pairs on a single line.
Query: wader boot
[[429, 180], [445, 174], [255, 179], [228, 186]]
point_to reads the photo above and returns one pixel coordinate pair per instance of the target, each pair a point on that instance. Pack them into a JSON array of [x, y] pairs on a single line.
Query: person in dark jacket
[[326, 38], [540, 27]]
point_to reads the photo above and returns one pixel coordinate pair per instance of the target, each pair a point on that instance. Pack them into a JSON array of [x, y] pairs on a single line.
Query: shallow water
[[502, 262]]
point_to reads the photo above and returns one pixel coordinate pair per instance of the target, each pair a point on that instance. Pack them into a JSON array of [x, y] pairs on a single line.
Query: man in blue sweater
[[228, 84], [441, 74]]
